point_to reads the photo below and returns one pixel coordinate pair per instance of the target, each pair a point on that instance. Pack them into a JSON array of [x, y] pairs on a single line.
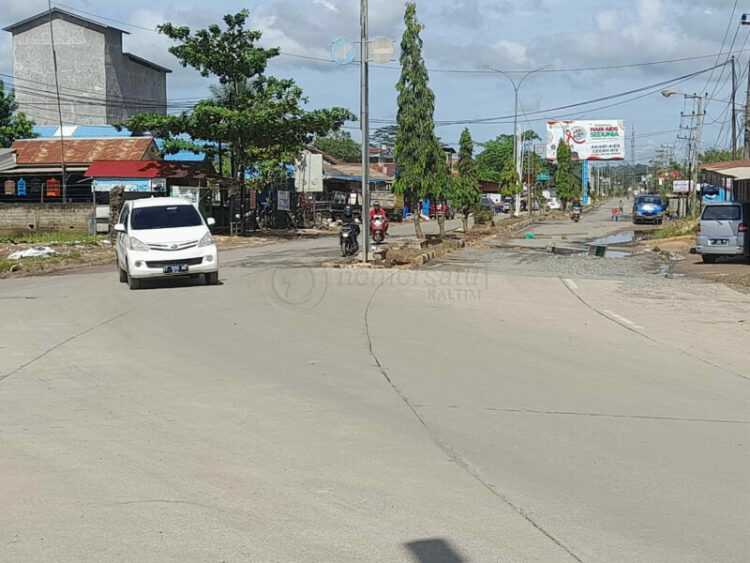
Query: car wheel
[[708, 258], [134, 283], [123, 274], [212, 278]]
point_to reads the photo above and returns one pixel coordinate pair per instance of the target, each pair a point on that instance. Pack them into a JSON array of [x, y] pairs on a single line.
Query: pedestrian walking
[[615, 214]]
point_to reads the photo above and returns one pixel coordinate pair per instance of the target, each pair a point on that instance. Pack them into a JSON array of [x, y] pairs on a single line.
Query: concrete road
[[300, 414]]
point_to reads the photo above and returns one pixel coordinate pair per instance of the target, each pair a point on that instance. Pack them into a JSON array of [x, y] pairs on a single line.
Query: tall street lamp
[[516, 86]]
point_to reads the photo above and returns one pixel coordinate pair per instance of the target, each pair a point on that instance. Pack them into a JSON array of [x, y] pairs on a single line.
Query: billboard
[[308, 172], [600, 139]]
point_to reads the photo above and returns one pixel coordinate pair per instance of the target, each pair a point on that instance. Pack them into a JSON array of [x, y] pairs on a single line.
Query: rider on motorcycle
[[378, 211], [576, 202], [349, 222]]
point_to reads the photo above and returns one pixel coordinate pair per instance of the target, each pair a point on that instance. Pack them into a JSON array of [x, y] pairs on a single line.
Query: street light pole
[[364, 116], [516, 86]]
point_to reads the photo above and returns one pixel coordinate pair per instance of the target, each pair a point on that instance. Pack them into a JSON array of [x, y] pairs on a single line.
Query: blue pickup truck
[[648, 209]]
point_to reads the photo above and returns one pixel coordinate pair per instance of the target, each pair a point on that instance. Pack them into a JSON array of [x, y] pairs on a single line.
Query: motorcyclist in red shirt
[[377, 210]]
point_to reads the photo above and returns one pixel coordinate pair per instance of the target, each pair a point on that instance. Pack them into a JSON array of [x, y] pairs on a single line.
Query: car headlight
[[206, 240], [135, 244]]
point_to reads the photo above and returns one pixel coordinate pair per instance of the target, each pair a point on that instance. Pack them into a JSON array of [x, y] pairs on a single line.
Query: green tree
[[497, 153], [422, 171], [384, 136], [259, 117], [510, 184], [13, 124], [340, 145], [565, 188], [715, 155], [464, 188]]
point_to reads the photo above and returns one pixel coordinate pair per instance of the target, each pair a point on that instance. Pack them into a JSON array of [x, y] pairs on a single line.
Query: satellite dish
[[343, 51], [381, 50]]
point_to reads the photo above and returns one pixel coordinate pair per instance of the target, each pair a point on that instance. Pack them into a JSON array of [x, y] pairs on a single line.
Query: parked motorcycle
[[377, 229], [348, 240], [576, 214]]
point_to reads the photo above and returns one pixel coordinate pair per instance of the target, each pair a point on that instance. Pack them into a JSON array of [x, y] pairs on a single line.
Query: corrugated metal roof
[[737, 172], [84, 151], [720, 166], [352, 171], [43, 170], [148, 169], [57, 12]]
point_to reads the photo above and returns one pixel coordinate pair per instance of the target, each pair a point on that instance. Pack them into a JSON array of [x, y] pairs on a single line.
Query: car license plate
[[719, 241], [175, 269]]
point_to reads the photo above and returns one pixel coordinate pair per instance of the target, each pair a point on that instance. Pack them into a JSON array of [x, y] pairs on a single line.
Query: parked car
[[554, 204], [506, 205], [722, 231], [164, 237], [441, 208], [486, 202], [648, 208]]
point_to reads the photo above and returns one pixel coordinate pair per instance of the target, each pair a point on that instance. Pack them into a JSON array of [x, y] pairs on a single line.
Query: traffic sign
[[343, 51], [542, 176]]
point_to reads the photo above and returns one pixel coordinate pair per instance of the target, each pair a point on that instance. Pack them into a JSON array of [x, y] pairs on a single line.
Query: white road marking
[[620, 318], [570, 283]]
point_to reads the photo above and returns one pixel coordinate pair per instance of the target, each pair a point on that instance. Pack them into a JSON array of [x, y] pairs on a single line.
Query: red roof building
[[149, 169]]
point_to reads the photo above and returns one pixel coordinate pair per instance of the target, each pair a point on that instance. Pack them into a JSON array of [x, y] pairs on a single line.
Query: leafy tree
[[565, 188], [13, 124], [510, 184], [715, 155], [464, 189], [420, 161], [384, 136], [259, 117], [497, 153], [340, 145]]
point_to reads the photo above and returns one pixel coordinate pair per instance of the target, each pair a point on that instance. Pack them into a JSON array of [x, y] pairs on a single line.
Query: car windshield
[[721, 213], [165, 217], [649, 199]]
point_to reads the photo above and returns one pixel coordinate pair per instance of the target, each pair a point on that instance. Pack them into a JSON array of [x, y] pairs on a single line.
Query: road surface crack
[[630, 416], [60, 344], [454, 456], [635, 330]]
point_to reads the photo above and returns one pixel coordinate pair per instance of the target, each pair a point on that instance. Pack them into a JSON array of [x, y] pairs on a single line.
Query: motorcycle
[[576, 215], [377, 229], [348, 240]]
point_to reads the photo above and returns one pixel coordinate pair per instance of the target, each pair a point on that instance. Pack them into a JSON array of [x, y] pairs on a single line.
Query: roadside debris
[[33, 252]]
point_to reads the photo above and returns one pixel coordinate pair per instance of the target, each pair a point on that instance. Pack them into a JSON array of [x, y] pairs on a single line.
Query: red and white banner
[[588, 140]]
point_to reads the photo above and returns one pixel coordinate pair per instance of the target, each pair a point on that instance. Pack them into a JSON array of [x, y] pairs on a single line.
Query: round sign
[[381, 50], [343, 51]]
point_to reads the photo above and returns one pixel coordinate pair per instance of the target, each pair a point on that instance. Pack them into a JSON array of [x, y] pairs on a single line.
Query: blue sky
[[461, 38]]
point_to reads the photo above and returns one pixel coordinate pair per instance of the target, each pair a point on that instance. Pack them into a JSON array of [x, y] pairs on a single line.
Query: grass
[[679, 228], [30, 263], [52, 239]]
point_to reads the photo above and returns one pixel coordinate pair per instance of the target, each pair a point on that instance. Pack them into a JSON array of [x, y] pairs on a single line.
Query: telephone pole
[[734, 112], [365, 111], [632, 154]]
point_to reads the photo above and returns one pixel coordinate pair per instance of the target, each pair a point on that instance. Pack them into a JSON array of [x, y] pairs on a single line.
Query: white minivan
[[723, 231], [164, 236]]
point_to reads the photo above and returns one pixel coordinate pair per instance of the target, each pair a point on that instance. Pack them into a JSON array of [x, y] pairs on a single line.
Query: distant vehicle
[[507, 204], [486, 202], [554, 204], [164, 237], [441, 208], [722, 231], [648, 209]]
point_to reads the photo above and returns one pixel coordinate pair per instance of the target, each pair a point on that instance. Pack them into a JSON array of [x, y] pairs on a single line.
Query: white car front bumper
[[151, 264]]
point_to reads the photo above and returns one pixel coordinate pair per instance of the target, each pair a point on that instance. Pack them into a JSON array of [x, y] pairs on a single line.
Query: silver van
[[722, 231]]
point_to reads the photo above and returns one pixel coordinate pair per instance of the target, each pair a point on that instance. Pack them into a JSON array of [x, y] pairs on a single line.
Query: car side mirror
[[210, 221], [119, 228]]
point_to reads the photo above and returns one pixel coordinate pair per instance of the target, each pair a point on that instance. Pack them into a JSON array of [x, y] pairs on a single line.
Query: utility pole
[[364, 111], [59, 108], [734, 112], [632, 154], [746, 152]]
